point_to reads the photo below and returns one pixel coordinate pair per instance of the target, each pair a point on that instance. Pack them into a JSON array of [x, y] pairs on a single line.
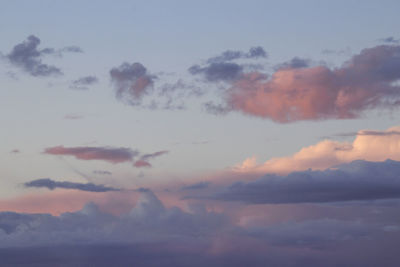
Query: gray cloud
[[197, 186], [229, 55], [28, 57], [83, 82], [51, 184], [294, 63], [132, 82], [220, 68], [359, 180]]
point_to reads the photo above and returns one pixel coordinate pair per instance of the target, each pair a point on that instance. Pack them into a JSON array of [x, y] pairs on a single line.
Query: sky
[[193, 133]]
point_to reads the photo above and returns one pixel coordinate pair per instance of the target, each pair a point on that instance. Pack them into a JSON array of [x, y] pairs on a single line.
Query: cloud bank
[[355, 181]]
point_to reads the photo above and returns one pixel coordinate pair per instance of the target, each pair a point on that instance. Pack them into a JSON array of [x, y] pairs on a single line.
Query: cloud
[[15, 151], [294, 63], [390, 40], [144, 159], [366, 81], [51, 184], [196, 186], [28, 57], [229, 55], [148, 221], [214, 72], [220, 68], [110, 154], [132, 82], [358, 180], [368, 145], [83, 82]]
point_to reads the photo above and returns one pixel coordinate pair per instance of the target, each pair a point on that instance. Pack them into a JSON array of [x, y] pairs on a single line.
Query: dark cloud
[[220, 68], [216, 109], [83, 82], [132, 82], [144, 159], [214, 72], [15, 151], [368, 133], [390, 40], [28, 57], [359, 180], [110, 154], [51, 184]]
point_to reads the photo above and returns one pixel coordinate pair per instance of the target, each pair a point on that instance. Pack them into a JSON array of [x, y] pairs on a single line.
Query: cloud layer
[[358, 180]]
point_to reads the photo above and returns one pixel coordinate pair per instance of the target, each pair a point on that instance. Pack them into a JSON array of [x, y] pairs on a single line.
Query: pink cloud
[[367, 80], [368, 145], [110, 154]]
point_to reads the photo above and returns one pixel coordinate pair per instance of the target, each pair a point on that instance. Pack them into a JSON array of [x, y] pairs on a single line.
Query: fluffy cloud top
[[368, 145]]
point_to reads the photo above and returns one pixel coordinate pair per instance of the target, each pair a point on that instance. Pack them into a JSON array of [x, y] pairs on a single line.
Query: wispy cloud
[[51, 184]]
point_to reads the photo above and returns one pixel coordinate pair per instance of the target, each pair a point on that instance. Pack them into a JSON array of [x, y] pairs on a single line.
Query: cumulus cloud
[[110, 154], [144, 159], [132, 82], [358, 180], [148, 221], [366, 81], [83, 82], [368, 145], [28, 57], [51, 184]]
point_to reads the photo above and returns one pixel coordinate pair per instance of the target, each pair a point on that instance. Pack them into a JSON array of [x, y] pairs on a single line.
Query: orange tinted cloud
[[368, 145]]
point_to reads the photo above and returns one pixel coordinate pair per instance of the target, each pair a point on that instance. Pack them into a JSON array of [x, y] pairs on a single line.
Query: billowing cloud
[[358, 180], [83, 82], [110, 154], [28, 57], [51, 184], [366, 81], [144, 159], [131, 82], [368, 145]]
